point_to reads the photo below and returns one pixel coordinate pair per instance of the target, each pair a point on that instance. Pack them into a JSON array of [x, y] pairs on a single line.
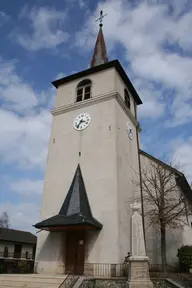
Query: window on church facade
[[127, 98], [84, 90]]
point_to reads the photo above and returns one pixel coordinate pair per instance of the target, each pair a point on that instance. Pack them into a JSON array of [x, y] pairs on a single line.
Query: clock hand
[[81, 121]]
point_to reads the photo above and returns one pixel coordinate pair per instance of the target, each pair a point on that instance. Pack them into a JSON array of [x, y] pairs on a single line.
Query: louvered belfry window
[[127, 98], [84, 90]]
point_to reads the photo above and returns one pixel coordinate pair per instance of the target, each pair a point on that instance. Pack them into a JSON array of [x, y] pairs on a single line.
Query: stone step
[[26, 286], [79, 282], [30, 280], [36, 278], [32, 284]]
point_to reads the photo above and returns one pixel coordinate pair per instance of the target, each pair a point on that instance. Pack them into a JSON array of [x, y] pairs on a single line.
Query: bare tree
[[164, 203], [4, 220]]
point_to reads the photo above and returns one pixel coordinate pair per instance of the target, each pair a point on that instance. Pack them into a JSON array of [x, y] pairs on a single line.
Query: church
[[93, 162]]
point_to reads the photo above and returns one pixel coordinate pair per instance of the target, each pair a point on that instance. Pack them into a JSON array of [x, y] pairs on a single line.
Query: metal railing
[[70, 280], [106, 270], [27, 256]]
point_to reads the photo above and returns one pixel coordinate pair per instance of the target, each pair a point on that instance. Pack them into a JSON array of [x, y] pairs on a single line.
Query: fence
[[105, 270], [17, 255], [117, 270], [16, 266]]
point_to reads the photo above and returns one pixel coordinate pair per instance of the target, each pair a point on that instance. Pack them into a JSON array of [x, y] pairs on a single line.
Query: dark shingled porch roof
[[75, 210]]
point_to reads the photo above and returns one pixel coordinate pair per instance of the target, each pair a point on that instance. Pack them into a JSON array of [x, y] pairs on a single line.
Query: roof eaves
[[184, 186], [114, 63], [161, 162]]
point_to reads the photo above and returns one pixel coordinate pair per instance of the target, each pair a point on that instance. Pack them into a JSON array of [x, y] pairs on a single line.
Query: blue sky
[[44, 40]]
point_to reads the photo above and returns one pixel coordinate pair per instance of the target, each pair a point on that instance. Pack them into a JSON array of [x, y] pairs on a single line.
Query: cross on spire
[[101, 18]]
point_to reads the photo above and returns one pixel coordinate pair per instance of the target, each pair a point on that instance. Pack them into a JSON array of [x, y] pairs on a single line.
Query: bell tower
[[91, 168]]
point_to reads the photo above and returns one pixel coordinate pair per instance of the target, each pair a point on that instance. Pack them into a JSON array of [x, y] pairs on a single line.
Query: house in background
[[17, 250]]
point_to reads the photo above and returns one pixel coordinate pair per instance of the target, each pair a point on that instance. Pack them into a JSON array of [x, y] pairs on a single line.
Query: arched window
[[84, 90], [6, 252], [127, 98]]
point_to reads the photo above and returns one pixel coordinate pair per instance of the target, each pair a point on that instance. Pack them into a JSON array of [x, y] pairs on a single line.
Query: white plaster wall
[[11, 248], [119, 87], [187, 235], [50, 253], [9, 245], [175, 238], [102, 82], [127, 171], [99, 168]]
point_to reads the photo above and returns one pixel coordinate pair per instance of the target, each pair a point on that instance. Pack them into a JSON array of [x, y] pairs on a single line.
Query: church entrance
[[75, 252]]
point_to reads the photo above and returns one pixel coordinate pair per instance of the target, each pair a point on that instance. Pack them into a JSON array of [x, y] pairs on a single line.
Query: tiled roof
[[100, 52], [17, 236], [75, 210]]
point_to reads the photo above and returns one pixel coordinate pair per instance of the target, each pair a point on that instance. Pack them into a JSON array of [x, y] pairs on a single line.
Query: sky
[[45, 40]]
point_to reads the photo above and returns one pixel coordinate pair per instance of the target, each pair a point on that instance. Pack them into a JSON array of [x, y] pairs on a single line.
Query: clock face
[[82, 121], [130, 131]]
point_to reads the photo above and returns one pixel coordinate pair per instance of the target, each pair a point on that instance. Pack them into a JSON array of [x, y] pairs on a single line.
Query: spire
[[75, 210], [76, 200], [100, 52]]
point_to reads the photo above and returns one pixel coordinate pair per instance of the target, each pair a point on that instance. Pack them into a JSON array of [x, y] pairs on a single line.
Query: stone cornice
[[95, 100], [126, 110]]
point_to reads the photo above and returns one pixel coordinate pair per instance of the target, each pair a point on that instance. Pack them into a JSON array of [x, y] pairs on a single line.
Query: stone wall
[[100, 283]]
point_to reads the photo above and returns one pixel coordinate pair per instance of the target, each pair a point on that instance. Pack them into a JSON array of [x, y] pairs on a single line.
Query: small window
[[127, 98], [27, 255], [17, 251], [79, 94], [6, 252], [83, 90]]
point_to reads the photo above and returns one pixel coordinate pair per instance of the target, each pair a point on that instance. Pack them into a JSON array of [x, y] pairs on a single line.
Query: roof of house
[[75, 210], [180, 178], [112, 64], [13, 235]]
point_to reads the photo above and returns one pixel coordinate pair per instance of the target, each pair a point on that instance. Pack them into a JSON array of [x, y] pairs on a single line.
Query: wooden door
[[75, 253]]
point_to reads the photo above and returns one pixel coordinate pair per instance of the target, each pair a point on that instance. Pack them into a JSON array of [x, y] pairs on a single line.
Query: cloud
[[182, 154], [26, 119], [3, 18], [18, 95], [59, 75], [24, 140], [151, 97], [156, 42], [27, 187], [81, 3], [45, 24]]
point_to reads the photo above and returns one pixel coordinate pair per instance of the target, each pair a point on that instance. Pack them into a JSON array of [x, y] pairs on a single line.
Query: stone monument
[[138, 271]]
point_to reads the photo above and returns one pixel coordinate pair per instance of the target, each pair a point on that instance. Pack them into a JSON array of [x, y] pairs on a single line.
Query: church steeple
[[100, 52]]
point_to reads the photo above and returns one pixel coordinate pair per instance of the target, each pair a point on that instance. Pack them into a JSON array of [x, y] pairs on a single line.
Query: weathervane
[[101, 18]]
